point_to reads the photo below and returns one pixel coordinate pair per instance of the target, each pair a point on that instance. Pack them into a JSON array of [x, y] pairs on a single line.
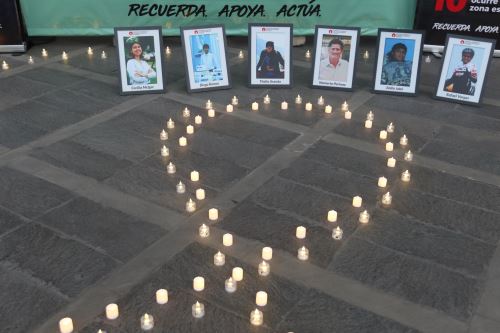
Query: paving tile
[[146, 124], [101, 91], [28, 195], [8, 221], [455, 251], [22, 88], [14, 134], [80, 159], [25, 303], [51, 76], [63, 263], [69, 101], [418, 281], [117, 234], [95, 63], [321, 313]]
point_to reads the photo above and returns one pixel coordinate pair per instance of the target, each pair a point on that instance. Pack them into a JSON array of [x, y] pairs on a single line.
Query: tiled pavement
[[89, 216]]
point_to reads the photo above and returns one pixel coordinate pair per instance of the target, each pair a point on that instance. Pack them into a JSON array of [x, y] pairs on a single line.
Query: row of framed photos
[[396, 70]]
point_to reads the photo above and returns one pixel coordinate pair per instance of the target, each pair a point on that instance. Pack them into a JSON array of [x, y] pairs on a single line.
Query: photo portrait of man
[[269, 63], [207, 59], [464, 75], [333, 67], [396, 70]]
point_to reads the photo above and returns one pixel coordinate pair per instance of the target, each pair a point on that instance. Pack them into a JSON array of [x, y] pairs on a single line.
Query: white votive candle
[[200, 194], [364, 217], [267, 99], [213, 214], [189, 129], [5, 65], [198, 310], [227, 240], [168, 51], [198, 120], [230, 285], [147, 322], [183, 141], [408, 156], [368, 123], [241, 55], [308, 54], [190, 206], [387, 198], [309, 106], [348, 115], [237, 273], [261, 298], [165, 151], [186, 113], [66, 325], [180, 187], [321, 101], [389, 146], [298, 100], [255, 106], [337, 233], [112, 311], [383, 135], [211, 113], [234, 100], [256, 317], [163, 135], [229, 108], [264, 268], [31, 61], [162, 296], [300, 232], [370, 116], [382, 182], [64, 56], [170, 123], [198, 283], [328, 109], [403, 141], [405, 176], [332, 216], [267, 253], [44, 53], [357, 201], [195, 176], [391, 162], [390, 128], [219, 259], [284, 105], [208, 104], [345, 106], [303, 253], [104, 55], [204, 231]]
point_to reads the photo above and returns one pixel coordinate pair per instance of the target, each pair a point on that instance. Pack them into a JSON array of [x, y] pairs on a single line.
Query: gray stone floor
[[89, 216]]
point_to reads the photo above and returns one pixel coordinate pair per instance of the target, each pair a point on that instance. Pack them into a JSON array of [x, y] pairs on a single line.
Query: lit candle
[[162, 296], [284, 105], [255, 106], [364, 217], [309, 106], [190, 206], [44, 53], [171, 168], [348, 115], [64, 56], [189, 129], [368, 123], [267, 253], [170, 123], [345, 106], [357, 201], [366, 55], [31, 61], [337, 233], [180, 188], [183, 141], [382, 182], [5, 65], [267, 99], [405, 176], [241, 55], [198, 283], [300, 232], [213, 214], [229, 108], [186, 113], [198, 120], [219, 259], [383, 135], [168, 51], [390, 128], [147, 322], [409, 156], [264, 268], [328, 109], [200, 194], [261, 298], [211, 113], [332, 216], [391, 162], [387, 198], [308, 54], [370, 116], [112, 311], [303, 253], [321, 101], [165, 151], [90, 51], [227, 240], [237, 273], [403, 141], [198, 310], [389, 146], [234, 100], [230, 285], [256, 317], [163, 135], [204, 231], [298, 100], [66, 325], [103, 55], [208, 104], [427, 59], [195, 176]]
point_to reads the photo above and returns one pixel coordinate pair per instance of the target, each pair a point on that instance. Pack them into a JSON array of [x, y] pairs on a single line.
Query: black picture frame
[[388, 89], [222, 50], [353, 56], [129, 89], [252, 52], [468, 41]]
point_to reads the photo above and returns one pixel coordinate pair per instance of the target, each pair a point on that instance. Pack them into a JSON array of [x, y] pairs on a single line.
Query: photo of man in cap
[[464, 75]]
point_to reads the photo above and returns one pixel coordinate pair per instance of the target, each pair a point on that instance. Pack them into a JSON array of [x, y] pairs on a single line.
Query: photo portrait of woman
[[396, 70], [141, 64], [269, 63]]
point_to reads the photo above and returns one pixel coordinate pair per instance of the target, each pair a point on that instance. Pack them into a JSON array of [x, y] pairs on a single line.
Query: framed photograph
[[270, 49], [463, 72], [335, 50], [140, 55], [205, 58], [397, 68]]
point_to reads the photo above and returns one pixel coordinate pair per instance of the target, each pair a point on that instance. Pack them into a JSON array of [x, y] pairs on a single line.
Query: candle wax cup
[[256, 317], [337, 233], [198, 310], [198, 283], [261, 298], [204, 231], [162, 296], [267, 253], [219, 259], [213, 214], [264, 268], [230, 285]]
